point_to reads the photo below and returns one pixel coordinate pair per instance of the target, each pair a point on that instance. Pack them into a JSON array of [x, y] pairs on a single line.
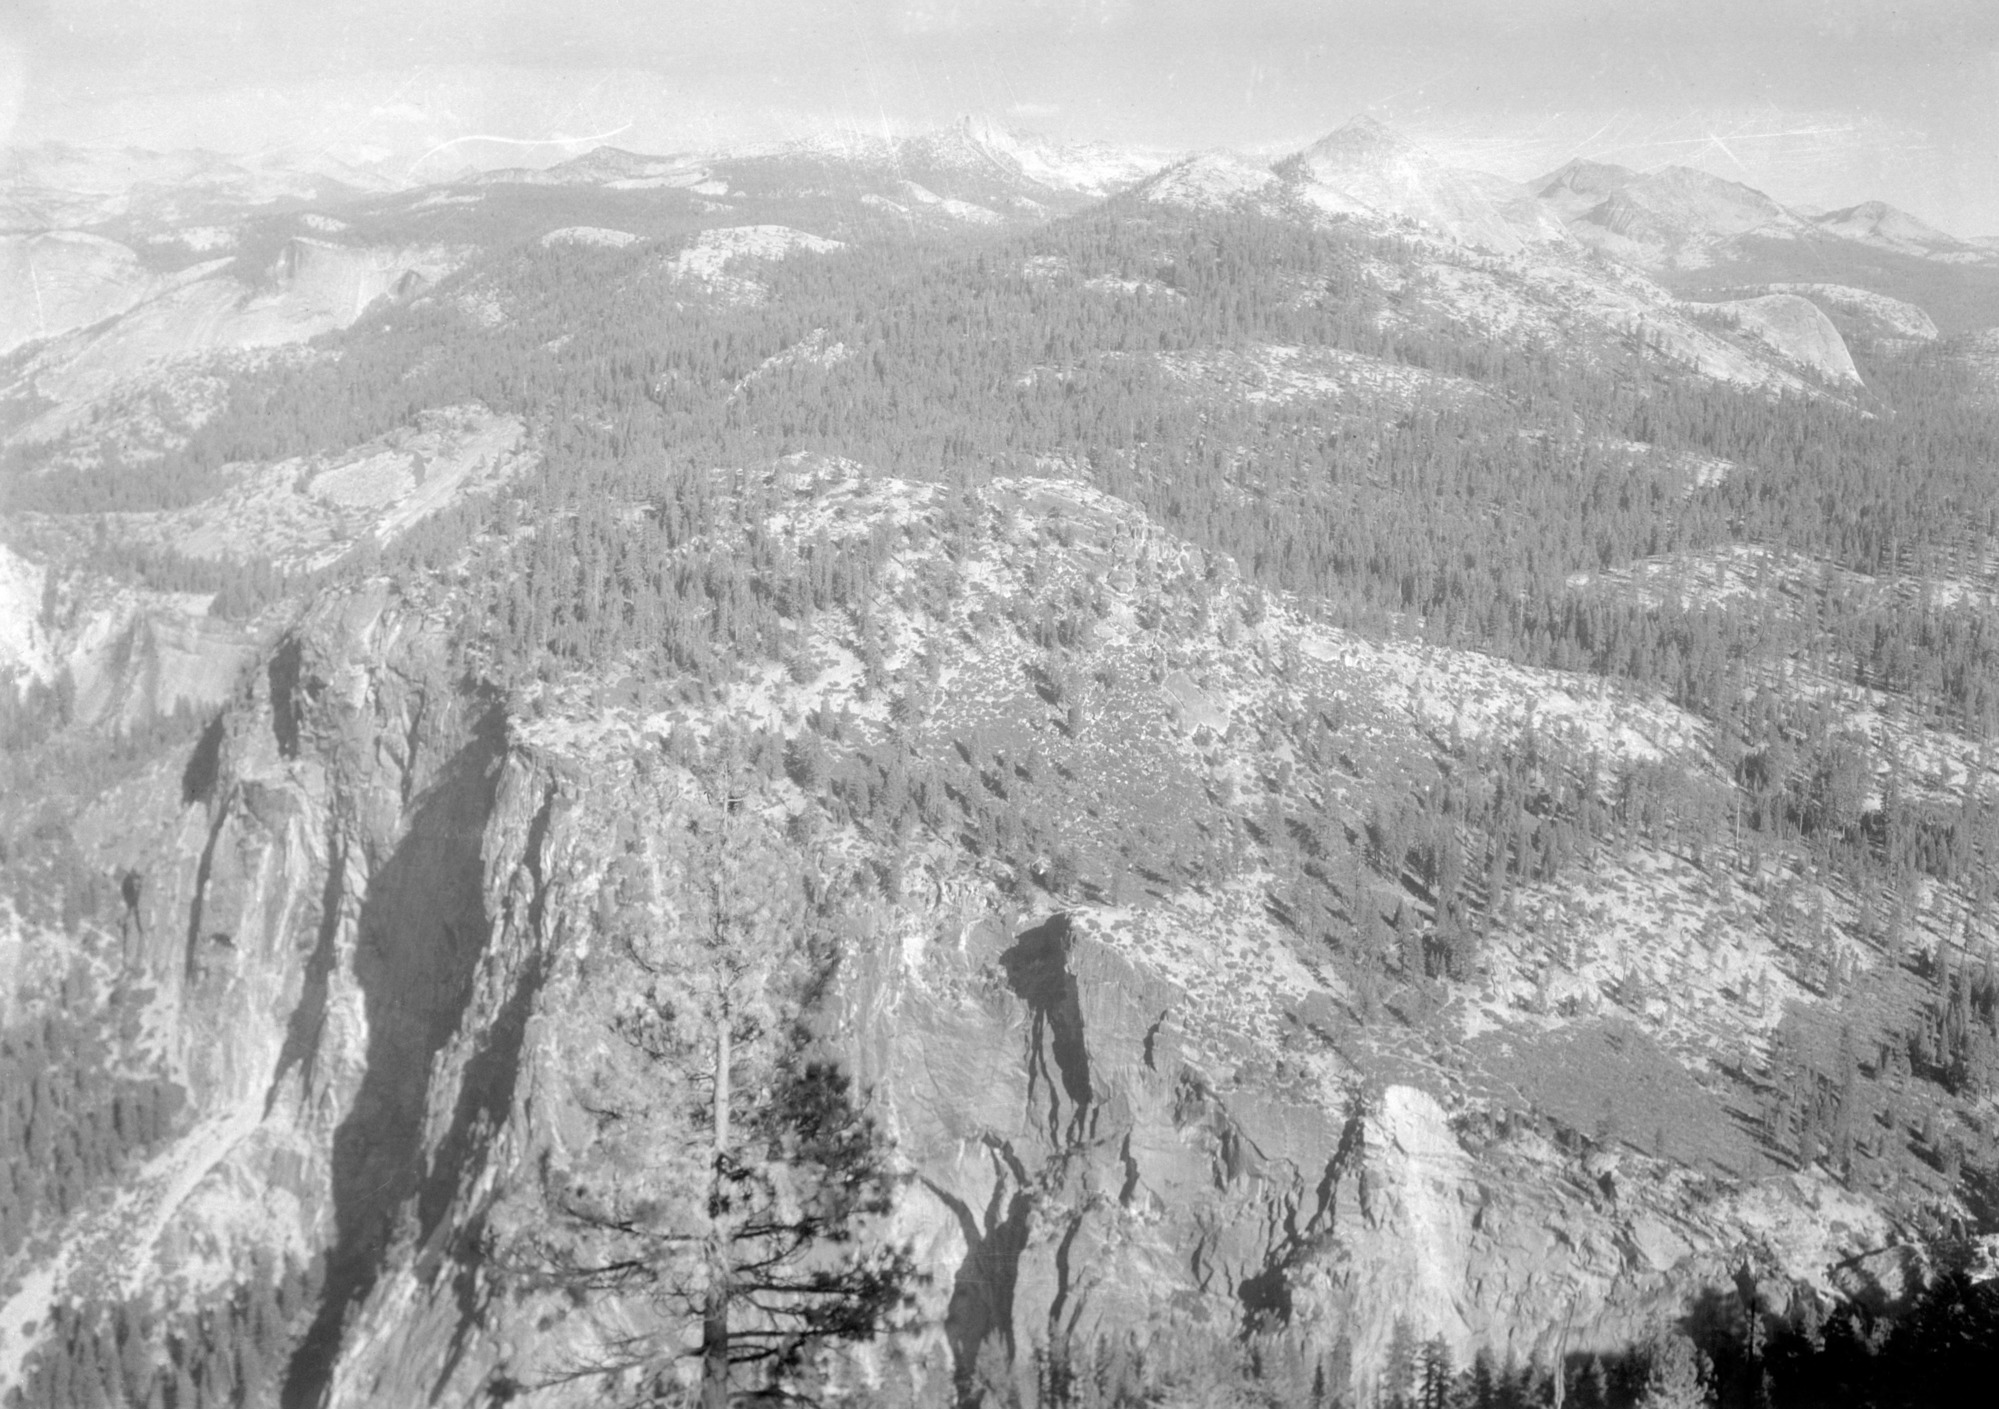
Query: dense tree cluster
[[70, 1121], [228, 1354]]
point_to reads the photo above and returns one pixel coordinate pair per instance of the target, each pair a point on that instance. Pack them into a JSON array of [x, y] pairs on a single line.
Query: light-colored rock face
[[1884, 317], [595, 235], [168, 653], [322, 284], [315, 286], [1366, 165], [53, 283], [1581, 186], [1423, 1179], [719, 261], [131, 656], [1879, 224], [980, 148], [366, 915], [56, 185], [1794, 328], [311, 913], [1211, 181], [24, 645], [1673, 218], [370, 912], [305, 513], [712, 251]]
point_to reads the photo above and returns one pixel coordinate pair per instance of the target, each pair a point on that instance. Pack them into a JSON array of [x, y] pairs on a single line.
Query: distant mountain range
[[1672, 216], [184, 252]]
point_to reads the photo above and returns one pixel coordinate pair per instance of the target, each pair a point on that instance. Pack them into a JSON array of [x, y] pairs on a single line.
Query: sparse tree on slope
[[735, 1174]]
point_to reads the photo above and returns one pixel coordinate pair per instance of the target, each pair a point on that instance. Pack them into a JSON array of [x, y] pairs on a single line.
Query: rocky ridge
[[1110, 1112]]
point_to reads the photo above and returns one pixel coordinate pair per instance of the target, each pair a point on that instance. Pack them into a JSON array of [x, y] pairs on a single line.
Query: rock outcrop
[[1793, 327], [65, 279], [373, 900]]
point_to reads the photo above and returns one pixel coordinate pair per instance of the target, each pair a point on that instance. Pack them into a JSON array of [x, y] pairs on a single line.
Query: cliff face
[[318, 926], [369, 906]]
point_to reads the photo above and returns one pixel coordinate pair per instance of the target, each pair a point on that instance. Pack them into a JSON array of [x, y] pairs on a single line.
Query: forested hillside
[[1595, 745]]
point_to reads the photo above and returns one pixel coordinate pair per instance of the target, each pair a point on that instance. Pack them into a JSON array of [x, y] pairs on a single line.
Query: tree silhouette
[[736, 1197]]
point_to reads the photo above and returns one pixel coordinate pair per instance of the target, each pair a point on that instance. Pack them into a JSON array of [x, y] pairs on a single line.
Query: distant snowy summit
[[1365, 170], [975, 144], [1365, 167], [975, 160], [980, 171], [171, 254], [1879, 224], [1673, 218]]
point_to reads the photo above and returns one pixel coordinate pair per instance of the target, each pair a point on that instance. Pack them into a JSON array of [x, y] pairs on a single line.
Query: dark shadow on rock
[[1266, 1300], [204, 765], [287, 713], [485, 1098], [1037, 968], [484, 1101], [308, 1019], [982, 1293], [422, 929], [203, 869]]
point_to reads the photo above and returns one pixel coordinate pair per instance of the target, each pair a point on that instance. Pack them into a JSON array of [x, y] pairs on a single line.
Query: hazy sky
[[1817, 101]]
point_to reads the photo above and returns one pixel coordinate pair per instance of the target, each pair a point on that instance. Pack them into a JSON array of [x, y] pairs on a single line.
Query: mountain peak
[[978, 132], [1361, 137], [1877, 222], [978, 145], [1584, 178], [984, 129], [1209, 181], [1366, 167]]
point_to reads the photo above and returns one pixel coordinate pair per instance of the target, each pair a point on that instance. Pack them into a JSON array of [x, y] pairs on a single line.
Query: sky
[[1819, 102]]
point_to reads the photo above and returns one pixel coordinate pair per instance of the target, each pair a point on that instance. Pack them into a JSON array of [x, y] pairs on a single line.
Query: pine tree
[[1678, 1376], [1400, 1383], [1437, 1374], [746, 1222]]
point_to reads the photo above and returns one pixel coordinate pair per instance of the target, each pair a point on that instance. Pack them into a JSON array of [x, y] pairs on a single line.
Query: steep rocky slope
[[115, 330], [1266, 983], [1365, 168], [1880, 224], [1673, 217], [52, 283], [372, 896], [1504, 264]]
